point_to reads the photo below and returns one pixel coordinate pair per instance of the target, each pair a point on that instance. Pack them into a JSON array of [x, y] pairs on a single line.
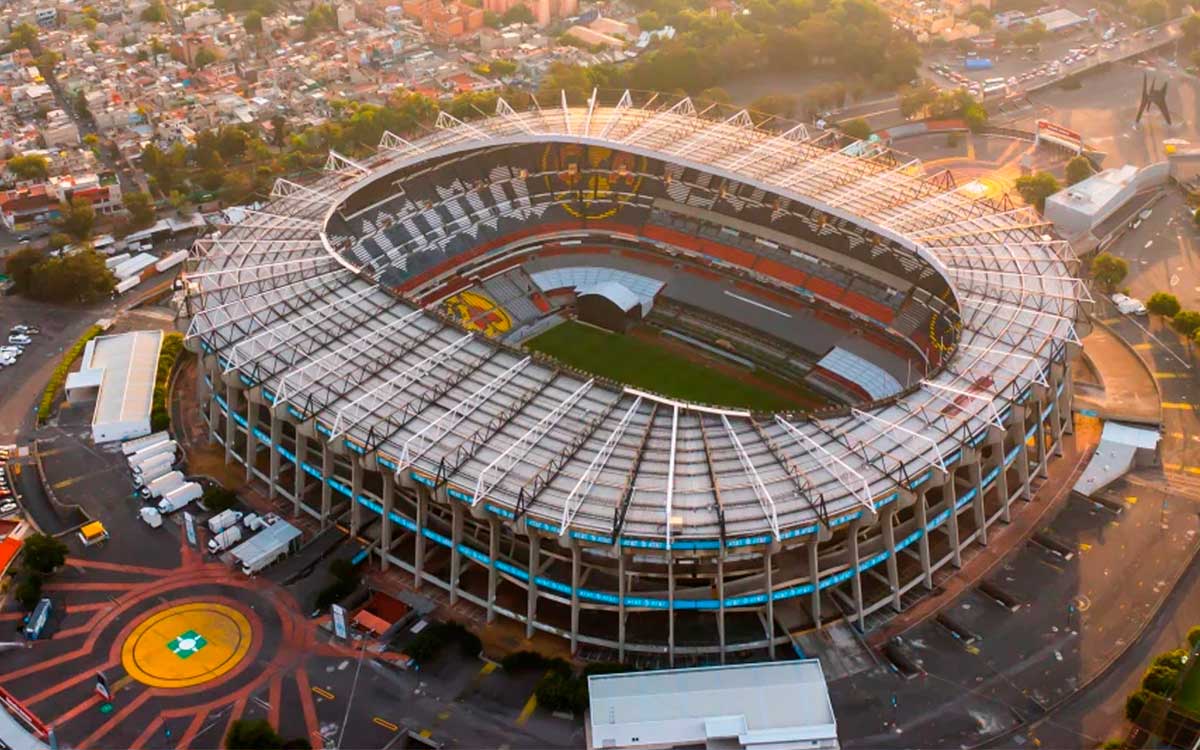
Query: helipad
[[186, 645]]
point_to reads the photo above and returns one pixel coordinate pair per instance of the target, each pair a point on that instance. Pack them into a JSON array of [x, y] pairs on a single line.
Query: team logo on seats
[[591, 182], [477, 312]]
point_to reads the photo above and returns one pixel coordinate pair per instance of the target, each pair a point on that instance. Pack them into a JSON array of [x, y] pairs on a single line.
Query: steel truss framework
[[286, 312]]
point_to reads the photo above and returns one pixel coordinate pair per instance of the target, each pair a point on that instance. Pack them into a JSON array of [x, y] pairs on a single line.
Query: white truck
[[139, 458], [267, 546], [152, 517], [179, 497], [151, 465], [224, 520], [153, 474], [163, 485], [130, 447], [225, 539]]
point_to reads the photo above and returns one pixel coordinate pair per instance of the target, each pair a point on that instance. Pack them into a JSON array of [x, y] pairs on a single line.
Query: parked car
[[20, 339], [7, 508], [1128, 305]]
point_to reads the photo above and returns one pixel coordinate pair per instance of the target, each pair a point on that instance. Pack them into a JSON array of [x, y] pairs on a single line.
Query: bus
[[37, 621]]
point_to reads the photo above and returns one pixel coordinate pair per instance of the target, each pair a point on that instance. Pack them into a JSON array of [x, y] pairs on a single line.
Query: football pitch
[[642, 364]]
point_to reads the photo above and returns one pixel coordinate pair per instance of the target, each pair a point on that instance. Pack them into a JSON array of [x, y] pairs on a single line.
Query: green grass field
[[643, 365]]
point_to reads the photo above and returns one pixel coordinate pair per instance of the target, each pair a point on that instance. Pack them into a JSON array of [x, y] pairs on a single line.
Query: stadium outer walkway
[[1049, 499]]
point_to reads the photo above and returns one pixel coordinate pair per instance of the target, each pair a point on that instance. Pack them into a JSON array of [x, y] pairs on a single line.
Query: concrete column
[[856, 581], [419, 542], [493, 572], [814, 573], [389, 501], [214, 409], [1043, 470], [276, 437], [575, 565], [1022, 463], [1068, 398], [889, 542], [922, 514], [1002, 480], [768, 569], [535, 548], [356, 488], [950, 492], [326, 490], [231, 407], [670, 609], [456, 529], [975, 471], [721, 603], [620, 605], [301, 478], [251, 440]]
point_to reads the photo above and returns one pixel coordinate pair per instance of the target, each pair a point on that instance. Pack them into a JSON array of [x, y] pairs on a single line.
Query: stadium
[[665, 382]]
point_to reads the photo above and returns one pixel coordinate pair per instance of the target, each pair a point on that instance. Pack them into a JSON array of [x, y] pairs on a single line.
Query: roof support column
[[419, 542], [671, 609], [814, 575], [535, 548], [1041, 441], [251, 440], [1067, 398], [1001, 474], [975, 473], [620, 605], [202, 386], [493, 572], [301, 478], [231, 407], [922, 515], [1056, 420], [1022, 460], [575, 565], [889, 541], [721, 602], [326, 489], [385, 532], [856, 581], [276, 436], [456, 529], [768, 566], [950, 493], [356, 488]]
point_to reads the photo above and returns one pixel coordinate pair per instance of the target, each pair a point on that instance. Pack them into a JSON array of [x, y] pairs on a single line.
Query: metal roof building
[[780, 705], [118, 371]]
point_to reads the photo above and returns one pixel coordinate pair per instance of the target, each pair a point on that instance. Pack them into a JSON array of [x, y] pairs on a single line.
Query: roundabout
[[187, 645]]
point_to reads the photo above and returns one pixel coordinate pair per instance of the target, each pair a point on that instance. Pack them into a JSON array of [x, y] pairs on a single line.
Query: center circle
[[186, 645]]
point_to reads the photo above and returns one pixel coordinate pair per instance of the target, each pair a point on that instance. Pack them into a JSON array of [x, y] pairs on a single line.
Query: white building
[[1080, 207], [776, 705], [118, 371]]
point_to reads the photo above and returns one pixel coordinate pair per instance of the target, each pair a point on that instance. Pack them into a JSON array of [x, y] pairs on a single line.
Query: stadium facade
[[334, 370]]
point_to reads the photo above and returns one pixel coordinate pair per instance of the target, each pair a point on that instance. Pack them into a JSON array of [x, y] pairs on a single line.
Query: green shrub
[[1174, 659], [42, 554], [559, 691], [346, 579], [520, 661], [1193, 637], [59, 376], [218, 498], [430, 641], [172, 347], [1135, 703]]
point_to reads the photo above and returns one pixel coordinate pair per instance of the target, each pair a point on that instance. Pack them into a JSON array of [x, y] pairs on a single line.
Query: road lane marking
[[1143, 346], [1178, 406], [68, 482], [323, 693], [527, 711], [385, 724], [426, 733], [488, 668], [1173, 375]]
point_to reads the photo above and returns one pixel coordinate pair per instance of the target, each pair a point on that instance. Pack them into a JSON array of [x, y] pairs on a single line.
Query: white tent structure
[[118, 371]]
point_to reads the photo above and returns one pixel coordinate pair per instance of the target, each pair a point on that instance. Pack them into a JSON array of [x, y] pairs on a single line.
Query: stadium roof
[[773, 704], [288, 311]]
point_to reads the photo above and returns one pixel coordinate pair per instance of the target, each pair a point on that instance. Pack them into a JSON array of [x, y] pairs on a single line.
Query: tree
[[43, 554], [47, 60], [252, 734], [1152, 12], [715, 94], [1031, 35], [1036, 188], [252, 23], [23, 36], [782, 105], [981, 17], [857, 129], [141, 209], [217, 498], [1163, 304], [80, 103], [1186, 322], [1160, 679], [915, 99], [1175, 659], [20, 265], [78, 277], [1191, 30], [1193, 637], [491, 19], [29, 166], [519, 13], [77, 218], [278, 130], [156, 12], [1135, 703], [1108, 270], [204, 58], [649, 21], [29, 591], [1078, 169]]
